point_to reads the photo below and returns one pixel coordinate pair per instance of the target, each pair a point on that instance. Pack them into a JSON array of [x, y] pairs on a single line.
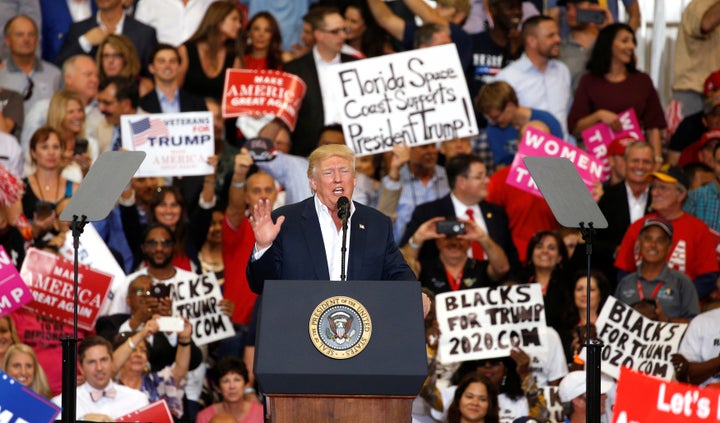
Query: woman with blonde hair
[[8, 337], [66, 114], [117, 56], [211, 50], [21, 364]]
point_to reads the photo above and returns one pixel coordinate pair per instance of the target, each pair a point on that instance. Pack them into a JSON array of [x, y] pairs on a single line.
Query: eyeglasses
[[336, 31], [28, 89], [152, 243], [142, 293]]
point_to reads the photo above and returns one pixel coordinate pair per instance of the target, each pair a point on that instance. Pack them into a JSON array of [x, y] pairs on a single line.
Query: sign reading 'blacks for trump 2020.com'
[[176, 144], [417, 97], [490, 322]]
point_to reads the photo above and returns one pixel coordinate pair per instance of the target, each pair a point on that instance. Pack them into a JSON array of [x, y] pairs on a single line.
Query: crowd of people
[[71, 69]]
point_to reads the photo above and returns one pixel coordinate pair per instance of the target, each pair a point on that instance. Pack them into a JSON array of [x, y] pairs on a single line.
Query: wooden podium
[[377, 385]]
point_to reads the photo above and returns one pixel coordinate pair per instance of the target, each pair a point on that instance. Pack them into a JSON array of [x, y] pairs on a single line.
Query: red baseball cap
[[712, 83], [618, 145]]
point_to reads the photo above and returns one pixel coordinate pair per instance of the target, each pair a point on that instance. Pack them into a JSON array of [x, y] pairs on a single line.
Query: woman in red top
[[613, 84], [262, 49]]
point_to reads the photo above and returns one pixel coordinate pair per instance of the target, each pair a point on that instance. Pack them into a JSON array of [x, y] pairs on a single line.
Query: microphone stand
[[343, 249], [593, 346], [69, 344]]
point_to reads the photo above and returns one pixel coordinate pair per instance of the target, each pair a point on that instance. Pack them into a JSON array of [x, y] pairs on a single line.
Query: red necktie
[[477, 249]]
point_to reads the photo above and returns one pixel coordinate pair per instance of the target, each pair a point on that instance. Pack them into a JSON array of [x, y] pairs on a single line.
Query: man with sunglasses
[[319, 106], [24, 72]]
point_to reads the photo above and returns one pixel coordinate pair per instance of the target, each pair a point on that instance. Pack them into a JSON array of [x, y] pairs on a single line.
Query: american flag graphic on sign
[[147, 127]]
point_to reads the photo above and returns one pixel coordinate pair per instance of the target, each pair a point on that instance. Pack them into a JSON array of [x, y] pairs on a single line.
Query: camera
[[450, 227], [591, 16], [81, 147], [160, 291], [43, 209]]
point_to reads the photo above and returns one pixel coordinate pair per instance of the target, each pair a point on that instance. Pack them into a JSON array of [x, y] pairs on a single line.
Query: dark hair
[[209, 32], [373, 40], [162, 46], [493, 411], [316, 16], [535, 240], [125, 89], [154, 225], [274, 54], [511, 386], [603, 285], [42, 134], [530, 25], [601, 56], [424, 34], [460, 166], [180, 232], [231, 364], [93, 341]]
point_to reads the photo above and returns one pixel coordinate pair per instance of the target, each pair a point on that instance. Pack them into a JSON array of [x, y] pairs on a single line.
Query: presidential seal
[[340, 327]]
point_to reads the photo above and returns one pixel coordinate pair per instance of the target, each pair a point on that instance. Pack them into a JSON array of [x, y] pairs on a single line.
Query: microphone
[[343, 208]]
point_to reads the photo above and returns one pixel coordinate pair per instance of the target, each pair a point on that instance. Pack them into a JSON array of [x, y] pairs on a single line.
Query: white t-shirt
[[701, 341], [551, 365], [119, 287]]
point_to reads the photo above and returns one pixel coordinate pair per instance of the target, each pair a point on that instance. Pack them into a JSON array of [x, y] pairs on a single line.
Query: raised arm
[[388, 20]]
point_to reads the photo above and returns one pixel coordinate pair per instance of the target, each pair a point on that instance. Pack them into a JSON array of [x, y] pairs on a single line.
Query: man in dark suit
[[319, 107], [623, 204], [56, 21], [468, 179], [85, 36], [303, 240], [168, 97]]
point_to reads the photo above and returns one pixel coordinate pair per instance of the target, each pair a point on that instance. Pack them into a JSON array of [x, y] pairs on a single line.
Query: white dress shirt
[[126, 401], [332, 106]]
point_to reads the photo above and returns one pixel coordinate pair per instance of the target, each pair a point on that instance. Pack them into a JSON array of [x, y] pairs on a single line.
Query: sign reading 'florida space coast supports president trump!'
[[176, 144], [417, 97]]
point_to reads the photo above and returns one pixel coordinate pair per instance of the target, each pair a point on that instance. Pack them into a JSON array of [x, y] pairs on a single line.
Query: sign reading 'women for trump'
[[417, 97], [537, 143]]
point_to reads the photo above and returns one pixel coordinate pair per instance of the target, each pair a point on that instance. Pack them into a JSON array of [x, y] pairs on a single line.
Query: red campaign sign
[[13, 291], [662, 401], [157, 412], [261, 92], [50, 278]]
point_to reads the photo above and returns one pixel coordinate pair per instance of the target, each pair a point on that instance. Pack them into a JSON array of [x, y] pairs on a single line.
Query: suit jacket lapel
[[314, 242], [358, 242]]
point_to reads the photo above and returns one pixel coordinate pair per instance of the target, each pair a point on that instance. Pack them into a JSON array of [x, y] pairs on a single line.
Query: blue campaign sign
[[20, 404]]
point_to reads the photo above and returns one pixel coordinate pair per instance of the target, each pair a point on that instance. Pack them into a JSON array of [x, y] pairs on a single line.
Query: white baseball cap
[[573, 385]]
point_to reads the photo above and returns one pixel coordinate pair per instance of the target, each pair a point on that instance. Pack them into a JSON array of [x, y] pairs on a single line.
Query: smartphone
[[160, 291], [81, 147], [44, 209], [170, 324], [450, 227], [591, 16]]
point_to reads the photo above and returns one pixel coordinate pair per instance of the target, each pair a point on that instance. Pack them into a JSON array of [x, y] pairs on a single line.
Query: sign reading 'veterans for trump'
[[536, 143], [51, 281], [176, 144], [262, 92], [417, 97], [489, 322]]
